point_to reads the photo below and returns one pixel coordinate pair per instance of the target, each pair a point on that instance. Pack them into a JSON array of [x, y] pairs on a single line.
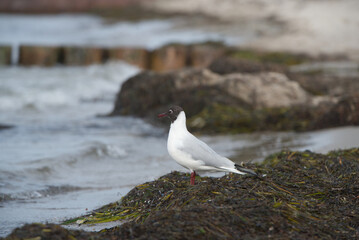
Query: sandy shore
[[314, 27]]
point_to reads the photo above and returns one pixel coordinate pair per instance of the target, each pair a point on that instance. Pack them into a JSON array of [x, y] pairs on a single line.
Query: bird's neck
[[180, 122]]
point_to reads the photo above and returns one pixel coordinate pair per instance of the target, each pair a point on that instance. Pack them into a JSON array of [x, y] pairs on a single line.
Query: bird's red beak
[[161, 115]]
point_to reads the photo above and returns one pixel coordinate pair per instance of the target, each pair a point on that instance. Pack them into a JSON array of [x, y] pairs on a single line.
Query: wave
[[85, 168], [43, 88], [86, 158], [46, 192], [107, 150]]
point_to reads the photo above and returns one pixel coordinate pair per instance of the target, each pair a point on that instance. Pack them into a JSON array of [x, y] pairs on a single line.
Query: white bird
[[192, 153]]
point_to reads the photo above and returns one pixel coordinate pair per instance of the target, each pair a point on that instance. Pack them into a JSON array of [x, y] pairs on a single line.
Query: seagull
[[192, 153]]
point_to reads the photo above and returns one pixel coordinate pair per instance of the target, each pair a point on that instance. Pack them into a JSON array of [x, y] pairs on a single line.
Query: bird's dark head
[[172, 113]]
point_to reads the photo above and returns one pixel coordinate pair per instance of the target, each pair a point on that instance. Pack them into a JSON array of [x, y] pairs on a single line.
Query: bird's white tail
[[233, 170]]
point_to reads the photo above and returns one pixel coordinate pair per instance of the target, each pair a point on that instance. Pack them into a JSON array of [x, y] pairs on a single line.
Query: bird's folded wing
[[201, 151]]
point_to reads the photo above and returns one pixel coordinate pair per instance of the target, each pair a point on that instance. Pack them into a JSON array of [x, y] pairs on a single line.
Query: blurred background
[[82, 81]]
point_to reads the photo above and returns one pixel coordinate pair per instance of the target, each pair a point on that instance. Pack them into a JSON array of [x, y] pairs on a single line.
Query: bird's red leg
[[193, 177]]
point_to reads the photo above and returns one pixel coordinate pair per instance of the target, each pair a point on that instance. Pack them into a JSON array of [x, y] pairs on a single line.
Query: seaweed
[[302, 195]]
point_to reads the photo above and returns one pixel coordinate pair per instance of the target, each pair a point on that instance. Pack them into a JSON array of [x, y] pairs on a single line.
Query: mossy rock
[[284, 58], [222, 118], [219, 118]]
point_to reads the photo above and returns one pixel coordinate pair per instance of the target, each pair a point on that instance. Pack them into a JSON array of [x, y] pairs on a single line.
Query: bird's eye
[[170, 111]]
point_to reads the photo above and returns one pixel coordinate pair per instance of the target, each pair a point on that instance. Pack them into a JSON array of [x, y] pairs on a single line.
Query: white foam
[[43, 88]]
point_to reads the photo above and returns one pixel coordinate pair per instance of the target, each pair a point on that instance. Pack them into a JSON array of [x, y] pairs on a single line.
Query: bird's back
[[201, 151]]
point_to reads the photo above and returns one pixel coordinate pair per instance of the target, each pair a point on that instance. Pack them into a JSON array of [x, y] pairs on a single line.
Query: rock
[[227, 65], [236, 102], [217, 103], [203, 54], [135, 56], [317, 101], [343, 113], [323, 84], [265, 90], [83, 56], [5, 55], [39, 55], [149, 92], [168, 58], [193, 78]]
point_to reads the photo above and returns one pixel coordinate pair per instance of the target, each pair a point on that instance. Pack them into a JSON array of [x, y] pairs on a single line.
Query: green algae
[[223, 118], [220, 118], [283, 58]]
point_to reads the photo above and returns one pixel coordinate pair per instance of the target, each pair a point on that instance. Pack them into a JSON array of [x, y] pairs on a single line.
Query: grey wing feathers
[[201, 151]]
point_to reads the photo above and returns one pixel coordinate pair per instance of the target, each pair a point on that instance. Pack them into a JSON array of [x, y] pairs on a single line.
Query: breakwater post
[[5, 55], [166, 58]]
